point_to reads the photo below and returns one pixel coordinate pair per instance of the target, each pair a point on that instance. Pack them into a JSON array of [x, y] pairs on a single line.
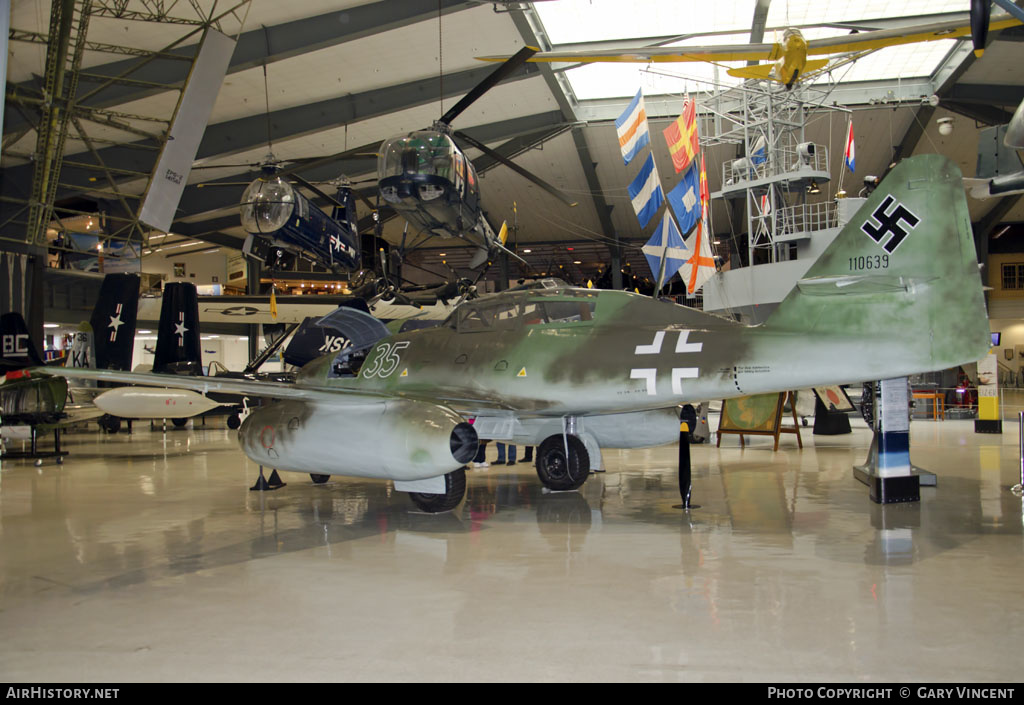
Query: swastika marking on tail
[[885, 224]]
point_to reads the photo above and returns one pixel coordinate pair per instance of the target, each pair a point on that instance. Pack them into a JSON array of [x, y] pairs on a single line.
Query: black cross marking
[[890, 223]]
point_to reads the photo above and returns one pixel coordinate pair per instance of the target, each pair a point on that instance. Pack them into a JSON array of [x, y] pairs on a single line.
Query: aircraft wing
[[960, 26], [722, 52], [291, 309], [268, 390], [878, 39], [241, 387]]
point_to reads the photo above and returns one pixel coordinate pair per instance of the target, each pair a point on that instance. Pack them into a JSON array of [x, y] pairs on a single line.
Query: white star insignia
[[115, 323]]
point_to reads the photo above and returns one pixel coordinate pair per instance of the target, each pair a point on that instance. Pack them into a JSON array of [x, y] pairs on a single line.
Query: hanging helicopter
[[430, 181], [280, 219]]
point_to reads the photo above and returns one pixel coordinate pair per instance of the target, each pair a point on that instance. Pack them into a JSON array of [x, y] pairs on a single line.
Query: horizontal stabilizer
[[862, 284], [978, 188], [766, 72], [759, 71]]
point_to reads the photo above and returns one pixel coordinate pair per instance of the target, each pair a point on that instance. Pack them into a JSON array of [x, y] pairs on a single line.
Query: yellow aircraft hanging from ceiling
[[789, 58]]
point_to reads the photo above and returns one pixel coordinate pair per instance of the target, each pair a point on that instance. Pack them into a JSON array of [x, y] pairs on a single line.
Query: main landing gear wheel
[[234, 422], [319, 479], [179, 423], [556, 471], [455, 489]]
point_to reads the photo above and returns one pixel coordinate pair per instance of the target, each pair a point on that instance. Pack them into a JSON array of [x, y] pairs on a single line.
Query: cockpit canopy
[[423, 152], [267, 204], [525, 308]]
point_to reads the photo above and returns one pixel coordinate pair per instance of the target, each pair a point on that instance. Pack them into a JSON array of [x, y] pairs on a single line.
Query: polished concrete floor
[[147, 558]]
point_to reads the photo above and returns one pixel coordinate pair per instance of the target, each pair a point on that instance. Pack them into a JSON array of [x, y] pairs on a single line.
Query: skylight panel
[[802, 12], [571, 21]]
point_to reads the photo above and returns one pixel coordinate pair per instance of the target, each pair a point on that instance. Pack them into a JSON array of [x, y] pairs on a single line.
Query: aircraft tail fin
[[177, 343], [113, 321], [322, 335], [903, 271], [995, 158], [83, 349], [18, 350]]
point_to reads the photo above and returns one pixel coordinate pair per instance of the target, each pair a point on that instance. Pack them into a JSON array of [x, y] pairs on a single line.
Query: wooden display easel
[[777, 427]]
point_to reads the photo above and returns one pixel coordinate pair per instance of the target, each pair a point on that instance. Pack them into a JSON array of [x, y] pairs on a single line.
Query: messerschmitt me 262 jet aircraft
[[576, 370]]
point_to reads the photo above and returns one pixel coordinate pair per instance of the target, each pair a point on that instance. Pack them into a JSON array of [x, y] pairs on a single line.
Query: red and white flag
[[849, 154]]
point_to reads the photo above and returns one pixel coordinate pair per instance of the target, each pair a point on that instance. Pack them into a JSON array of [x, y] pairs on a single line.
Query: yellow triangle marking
[[405, 372], [522, 373]]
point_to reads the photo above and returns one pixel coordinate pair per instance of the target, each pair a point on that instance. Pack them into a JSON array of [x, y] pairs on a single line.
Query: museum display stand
[[888, 472]]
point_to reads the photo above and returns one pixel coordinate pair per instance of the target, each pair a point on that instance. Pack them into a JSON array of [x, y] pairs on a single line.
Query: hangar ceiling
[[343, 75]]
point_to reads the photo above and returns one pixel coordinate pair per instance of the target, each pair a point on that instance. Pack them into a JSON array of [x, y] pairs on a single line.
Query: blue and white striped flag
[[631, 127], [645, 192]]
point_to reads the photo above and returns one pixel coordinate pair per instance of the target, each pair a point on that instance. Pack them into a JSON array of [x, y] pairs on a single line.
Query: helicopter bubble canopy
[[427, 152], [267, 204]]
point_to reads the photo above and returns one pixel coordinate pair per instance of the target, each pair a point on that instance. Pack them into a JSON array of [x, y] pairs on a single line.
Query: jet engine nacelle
[[396, 439]]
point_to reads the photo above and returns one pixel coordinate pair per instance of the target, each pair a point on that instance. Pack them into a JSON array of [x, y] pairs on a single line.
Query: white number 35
[[386, 361]]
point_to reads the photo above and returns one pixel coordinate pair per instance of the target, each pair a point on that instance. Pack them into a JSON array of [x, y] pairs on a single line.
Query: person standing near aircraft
[[501, 454]]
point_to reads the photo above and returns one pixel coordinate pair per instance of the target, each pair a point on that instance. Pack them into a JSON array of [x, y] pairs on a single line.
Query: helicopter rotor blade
[[516, 168], [497, 76], [322, 194], [302, 163], [250, 165]]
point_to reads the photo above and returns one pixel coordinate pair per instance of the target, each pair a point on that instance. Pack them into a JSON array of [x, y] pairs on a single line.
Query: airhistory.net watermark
[[40, 693]]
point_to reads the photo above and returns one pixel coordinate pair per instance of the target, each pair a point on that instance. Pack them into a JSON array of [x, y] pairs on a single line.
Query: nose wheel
[[558, 471]]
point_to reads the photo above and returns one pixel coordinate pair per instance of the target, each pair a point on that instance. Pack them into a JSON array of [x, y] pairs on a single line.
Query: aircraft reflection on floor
[[163, 525]]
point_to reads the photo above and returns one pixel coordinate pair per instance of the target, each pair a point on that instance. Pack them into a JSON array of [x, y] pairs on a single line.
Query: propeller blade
[[980, 11], [497, 76], [516, 168]]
